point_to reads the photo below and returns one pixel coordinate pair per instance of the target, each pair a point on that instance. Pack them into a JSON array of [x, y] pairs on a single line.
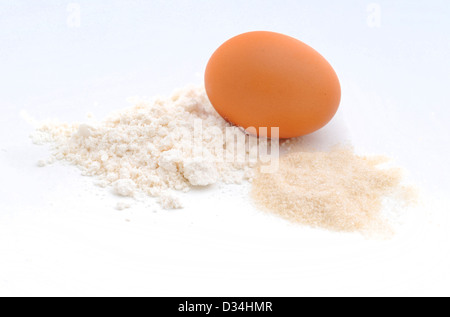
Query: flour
[[200, 172], [124, 187], [122, 206], [155, 147], [41, 163], [165, 146], [168, 201]]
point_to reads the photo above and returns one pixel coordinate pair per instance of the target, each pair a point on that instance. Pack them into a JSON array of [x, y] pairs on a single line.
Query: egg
[[267, 80]]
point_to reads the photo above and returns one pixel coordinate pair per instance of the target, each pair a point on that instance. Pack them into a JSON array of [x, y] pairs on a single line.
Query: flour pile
[[155, 147]]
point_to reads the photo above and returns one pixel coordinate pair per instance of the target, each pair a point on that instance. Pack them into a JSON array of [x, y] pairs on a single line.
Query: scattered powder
[[122, 206], [152, 147], [168, 201], [337, 190], [41, 163]]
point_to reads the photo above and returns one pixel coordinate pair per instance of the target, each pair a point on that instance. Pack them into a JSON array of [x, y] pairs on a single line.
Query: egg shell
[[266, 79]]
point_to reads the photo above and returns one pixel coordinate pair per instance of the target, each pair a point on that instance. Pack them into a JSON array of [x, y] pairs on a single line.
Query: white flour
[[154, 147]]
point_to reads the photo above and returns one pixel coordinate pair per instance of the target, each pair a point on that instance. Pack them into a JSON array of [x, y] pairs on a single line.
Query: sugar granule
[[336, 190]]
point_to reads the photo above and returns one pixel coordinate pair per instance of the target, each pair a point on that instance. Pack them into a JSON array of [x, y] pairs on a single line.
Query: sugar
[[122, 206], [336, 190]]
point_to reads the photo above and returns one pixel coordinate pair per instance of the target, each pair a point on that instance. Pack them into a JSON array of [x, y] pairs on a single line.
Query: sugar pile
[[155, 147], [337, 190]]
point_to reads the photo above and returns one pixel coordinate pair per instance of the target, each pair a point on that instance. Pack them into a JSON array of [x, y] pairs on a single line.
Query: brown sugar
[[336, 190]]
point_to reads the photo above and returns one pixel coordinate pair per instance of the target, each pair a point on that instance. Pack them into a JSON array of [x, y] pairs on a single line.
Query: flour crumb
[[41, 163], [124, 187], [84, 131], [336, 190], [200, 173], [168, 201], [122, 206]]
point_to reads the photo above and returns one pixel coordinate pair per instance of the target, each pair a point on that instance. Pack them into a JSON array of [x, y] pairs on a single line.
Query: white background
[[61, 235]]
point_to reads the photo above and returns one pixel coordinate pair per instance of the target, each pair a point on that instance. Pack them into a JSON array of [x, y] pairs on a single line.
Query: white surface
[[60, 235]]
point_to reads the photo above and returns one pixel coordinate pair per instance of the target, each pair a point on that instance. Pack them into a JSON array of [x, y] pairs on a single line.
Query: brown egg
[[266, 79]]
